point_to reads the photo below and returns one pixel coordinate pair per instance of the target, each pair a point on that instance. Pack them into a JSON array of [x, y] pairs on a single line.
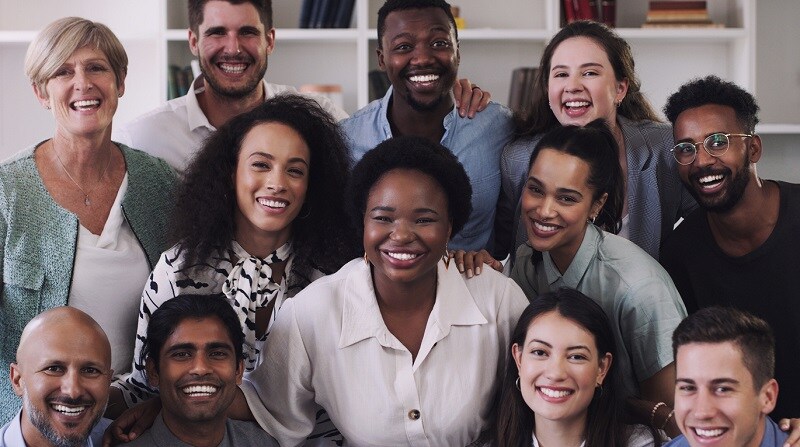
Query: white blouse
[[330, 346], [110, 269]]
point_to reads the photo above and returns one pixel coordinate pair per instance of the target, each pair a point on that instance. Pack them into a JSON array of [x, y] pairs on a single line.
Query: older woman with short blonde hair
[[83, 219]]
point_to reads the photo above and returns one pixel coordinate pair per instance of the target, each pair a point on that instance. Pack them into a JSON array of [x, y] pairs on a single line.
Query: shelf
[[778, 129], [683, 34]]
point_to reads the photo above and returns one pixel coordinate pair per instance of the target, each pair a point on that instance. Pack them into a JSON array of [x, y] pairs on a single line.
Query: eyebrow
[[586, 65], [720, 381], [407, 35], [392, 209], [558, 190], [272, 157], [690, 140], [193, 347], [569, 348]]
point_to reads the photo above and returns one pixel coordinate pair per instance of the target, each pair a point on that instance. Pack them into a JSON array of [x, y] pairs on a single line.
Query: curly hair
[[539, 118], [402, 5], [418, 154], [713, 90], [595, 145], [206, 203]]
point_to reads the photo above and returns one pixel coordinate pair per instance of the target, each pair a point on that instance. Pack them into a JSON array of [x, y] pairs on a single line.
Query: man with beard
[[740, 247], [194, 356], [418, 50], [62, 374], [232, 40]]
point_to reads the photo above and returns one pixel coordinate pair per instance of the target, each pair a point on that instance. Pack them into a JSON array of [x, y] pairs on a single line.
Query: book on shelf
[[679, 14], [179, 79], [598, 10], [520, 91], [676, 4], [708, 24], [326, 13]]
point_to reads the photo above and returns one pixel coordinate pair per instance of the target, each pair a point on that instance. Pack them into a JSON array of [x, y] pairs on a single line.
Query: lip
[[556, 394], [233, 67], [89, 104], [573, 110], [710, 188], [56, 408], [704, 439], [541, 229], [271, 204], [401, 258]]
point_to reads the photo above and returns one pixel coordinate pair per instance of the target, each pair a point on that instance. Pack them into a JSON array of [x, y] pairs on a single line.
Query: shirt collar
[[387, 128], [580, 263], [13, 434], [195, 114], [361, 317]]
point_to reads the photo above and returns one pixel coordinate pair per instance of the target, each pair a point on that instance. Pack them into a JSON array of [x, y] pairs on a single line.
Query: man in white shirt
[[62, 374]]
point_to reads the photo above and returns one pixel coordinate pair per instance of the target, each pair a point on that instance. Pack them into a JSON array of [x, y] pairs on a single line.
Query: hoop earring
[[516, 382], [446, 257], [366, 259]]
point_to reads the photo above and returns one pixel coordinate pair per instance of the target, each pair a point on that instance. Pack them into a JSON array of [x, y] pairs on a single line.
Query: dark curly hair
[[595, 145], [713, 90], [539, 118], [206, 203], [414, 153], [402, 5]]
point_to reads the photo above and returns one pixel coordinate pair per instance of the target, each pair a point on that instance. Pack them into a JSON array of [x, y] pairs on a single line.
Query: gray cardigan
[[40, 239]]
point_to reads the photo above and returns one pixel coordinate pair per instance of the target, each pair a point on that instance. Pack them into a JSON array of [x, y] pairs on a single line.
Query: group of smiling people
[[358, 319]]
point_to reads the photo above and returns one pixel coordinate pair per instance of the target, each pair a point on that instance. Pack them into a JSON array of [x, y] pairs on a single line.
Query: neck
[[84, 156], [405, 120], [562, 256], [750, 222], [260, 245], [406, 298], [219, 109], [199, 434], [566, 433]]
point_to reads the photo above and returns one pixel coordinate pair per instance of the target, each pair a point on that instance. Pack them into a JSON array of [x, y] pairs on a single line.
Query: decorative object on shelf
[[679, 14], [521, 89], [330, 91], [600, 11], [378, 84], [460, 22], [326, 13], [179, 80]]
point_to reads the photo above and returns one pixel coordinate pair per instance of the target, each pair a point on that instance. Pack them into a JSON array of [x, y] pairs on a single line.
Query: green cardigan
[[37, 252]]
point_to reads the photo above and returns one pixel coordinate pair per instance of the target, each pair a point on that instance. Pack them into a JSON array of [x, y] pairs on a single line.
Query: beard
[[43, 424], [246, 87], [730, 196]]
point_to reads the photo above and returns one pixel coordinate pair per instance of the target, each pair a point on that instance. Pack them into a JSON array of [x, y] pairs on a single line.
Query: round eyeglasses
[[715, 144]]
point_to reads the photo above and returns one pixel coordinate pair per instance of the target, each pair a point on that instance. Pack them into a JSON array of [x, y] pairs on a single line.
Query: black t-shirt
[[764, 282]]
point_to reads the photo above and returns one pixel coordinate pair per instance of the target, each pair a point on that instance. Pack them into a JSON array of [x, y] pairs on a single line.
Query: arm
[[470, 99]]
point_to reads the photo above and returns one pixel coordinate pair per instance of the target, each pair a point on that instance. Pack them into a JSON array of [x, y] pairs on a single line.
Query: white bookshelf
[[500, 36]]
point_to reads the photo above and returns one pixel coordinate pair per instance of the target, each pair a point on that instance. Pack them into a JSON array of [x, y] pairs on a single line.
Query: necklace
[[86, 200]]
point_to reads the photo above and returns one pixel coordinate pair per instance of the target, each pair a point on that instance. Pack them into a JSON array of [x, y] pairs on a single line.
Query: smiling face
[[82, 94], [232, 47], [559, 369], [582, 85], [716, 402], [716, 183], [406, 227], [419, 54], [63, 381], [557, 202], [271, 183], [198, 372]]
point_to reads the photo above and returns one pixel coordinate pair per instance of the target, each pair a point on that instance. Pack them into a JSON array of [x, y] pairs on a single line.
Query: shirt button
[[413, 415]]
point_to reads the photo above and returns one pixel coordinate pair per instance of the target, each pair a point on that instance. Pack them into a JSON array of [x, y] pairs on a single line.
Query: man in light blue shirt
[[418, 50], [725, 361], [62, 374]]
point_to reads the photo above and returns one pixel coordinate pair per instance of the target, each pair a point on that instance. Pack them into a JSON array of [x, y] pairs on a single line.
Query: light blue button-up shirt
[[476, 142]]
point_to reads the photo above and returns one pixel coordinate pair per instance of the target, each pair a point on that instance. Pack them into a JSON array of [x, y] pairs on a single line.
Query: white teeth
[[273, 203], [710, 178], [424, 78], [68, 410], [200, 390], [554, 393], [577, 103], [542, 227], [86, 103], [233, 68], [402, 256], [709, 433]]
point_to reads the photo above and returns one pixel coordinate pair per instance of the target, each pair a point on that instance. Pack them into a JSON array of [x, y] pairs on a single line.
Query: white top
[[330, 346], [640, 436], [100, 290], [175, 130]]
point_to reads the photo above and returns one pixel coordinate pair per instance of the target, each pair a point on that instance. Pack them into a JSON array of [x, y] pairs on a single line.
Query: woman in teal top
[[83, 219]]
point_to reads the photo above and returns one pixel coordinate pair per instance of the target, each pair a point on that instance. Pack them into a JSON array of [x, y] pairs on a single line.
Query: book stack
[[679, 14], [520, 95], [326, 13], [604, 11], [178, 81]]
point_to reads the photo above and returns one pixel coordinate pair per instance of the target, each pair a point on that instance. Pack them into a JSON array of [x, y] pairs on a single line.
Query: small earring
[[366, 259], [618, 103], [47, 106], [446, 257], [517, 383]]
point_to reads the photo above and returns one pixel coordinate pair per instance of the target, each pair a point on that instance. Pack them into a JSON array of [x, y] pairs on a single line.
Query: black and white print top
[[245, 280]]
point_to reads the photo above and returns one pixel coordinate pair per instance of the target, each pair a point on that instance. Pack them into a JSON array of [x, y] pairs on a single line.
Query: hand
[[793, 427], [132, 423], [470, 99], [471, 262]]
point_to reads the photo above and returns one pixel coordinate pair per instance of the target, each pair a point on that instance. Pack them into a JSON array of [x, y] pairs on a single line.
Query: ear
[[16, 380], [754, 150], [193, 38], [41, 96], [239, 372], [381, 63], [152, 374], [598, 205], [516, 352], [622, 89], [768, 396], [121, 86], [605, 365], [270, 36]]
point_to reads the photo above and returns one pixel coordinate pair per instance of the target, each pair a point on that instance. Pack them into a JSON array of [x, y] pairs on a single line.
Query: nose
[[422, 55], [402, 232], [82, 80], [703, 405], [555, 369], [547, 209], [276, 181], [71, 384], [702, 157], [573, 84], [232, 43], [200, 365]]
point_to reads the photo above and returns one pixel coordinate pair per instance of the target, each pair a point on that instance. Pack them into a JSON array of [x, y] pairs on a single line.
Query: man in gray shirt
[[194, 355]]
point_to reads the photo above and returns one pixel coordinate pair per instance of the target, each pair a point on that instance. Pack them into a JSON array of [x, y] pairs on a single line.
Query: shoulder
[[162, 116], [679, 441], [367, 113], [649, 129], [324, 290], [248, 433], [142, 163], [690, 230], [496, 117], [21, 161], [634, 267]]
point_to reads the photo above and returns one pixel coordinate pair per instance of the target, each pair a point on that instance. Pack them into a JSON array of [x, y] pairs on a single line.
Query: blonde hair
[[60, 39]]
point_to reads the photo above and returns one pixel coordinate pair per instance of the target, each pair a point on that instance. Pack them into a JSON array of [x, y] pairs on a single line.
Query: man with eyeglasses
[[741, 247]]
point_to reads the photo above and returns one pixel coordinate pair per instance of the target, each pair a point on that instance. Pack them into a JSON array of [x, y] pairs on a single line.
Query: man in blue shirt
[[725, 362], [62, 374], [418, 50]]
